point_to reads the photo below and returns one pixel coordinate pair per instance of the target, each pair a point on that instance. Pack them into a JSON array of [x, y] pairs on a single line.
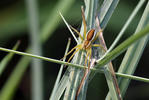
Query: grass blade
[[134, 53], [123, 46], [112, 88], [36, 68], [53, 20], [7, 58], [140, 4], [106, 11], [11, 84], [68, 27], [54, 92], [122, 32]]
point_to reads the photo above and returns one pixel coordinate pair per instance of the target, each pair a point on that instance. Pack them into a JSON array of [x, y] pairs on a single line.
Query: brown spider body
[[87, 43]]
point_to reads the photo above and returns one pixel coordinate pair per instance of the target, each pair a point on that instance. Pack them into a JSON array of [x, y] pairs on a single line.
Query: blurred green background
[[14, 26]]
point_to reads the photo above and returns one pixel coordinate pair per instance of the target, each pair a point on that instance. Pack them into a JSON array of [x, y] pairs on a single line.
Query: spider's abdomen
[[90, 34]]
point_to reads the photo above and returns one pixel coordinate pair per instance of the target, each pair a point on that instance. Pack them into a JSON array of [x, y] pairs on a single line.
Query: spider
[[86, 41]]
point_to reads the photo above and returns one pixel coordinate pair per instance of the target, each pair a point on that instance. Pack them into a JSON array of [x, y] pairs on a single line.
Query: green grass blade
[[36, 68], [68, 27], [111, 85], [140, 4], [54, 92], [123, 46], [27, 55], [134, 53], [62, 84], [41, 57], [106, 11], [122, 32], [7, 58], [126, 76], [12, 83]]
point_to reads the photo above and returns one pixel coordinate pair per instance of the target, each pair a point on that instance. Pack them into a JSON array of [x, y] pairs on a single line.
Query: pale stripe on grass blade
[[134, 53], [7, 58]]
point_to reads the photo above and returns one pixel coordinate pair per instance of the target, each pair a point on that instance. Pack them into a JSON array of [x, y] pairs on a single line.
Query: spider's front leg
[[76, 48]]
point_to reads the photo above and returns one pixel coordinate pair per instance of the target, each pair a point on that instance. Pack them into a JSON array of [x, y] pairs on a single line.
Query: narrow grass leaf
[[7, 58], [126, 76], [54, 19], [12, 83], [135, 11], [36, 68], [134, 53], [122, 32], [106, 11], [54, 92], [123, 46], [69, 27], [111, 85]]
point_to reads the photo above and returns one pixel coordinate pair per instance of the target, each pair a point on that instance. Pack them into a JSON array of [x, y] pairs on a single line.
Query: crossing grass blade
[[7, 58]]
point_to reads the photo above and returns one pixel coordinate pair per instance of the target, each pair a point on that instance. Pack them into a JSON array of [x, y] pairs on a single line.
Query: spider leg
[[86, 57], [90, 53], [73, 54], [84, 22], [71, 51], [98, 45], [76, 32]]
